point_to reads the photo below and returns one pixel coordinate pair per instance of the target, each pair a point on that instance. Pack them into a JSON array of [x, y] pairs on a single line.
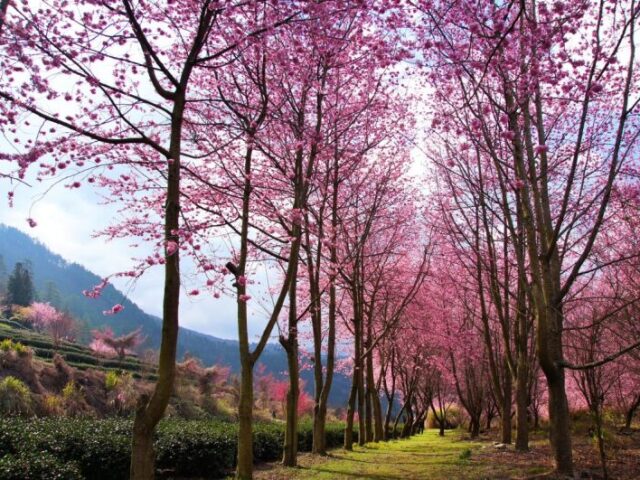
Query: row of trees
[[256, 134]]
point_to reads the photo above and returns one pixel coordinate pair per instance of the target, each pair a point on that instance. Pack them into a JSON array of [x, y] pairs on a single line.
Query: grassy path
[[425, 456]]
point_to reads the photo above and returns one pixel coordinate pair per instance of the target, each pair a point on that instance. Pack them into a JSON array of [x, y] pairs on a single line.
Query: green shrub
[[102, 448], [15, 397], [37, 466], [111, 380], [8, 345]]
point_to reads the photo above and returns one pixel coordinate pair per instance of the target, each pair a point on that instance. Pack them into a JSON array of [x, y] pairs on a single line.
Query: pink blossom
[[541, 148], [32, 223], [172, 247], [117, 308], [244, 298], [508, 135]]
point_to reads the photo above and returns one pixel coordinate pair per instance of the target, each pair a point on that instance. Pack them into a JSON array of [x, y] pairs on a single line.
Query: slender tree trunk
[[397, 420], [631, 412], [378, 431], [387, 419], [351, 406], [290, 454], [319, 430], [522, 410], [362, 432], [368, 407], [505, 410], [603, 456], [244, 469], [149, 413]]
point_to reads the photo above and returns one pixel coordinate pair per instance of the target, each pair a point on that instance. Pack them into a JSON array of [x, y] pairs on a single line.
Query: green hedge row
[[100, 449]]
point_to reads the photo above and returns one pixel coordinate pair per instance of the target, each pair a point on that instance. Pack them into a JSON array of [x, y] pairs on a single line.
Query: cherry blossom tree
[[120, 346], [59, 325]]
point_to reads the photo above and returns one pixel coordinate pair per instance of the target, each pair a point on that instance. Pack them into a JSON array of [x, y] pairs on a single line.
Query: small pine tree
[[20, 289], [3, 278]]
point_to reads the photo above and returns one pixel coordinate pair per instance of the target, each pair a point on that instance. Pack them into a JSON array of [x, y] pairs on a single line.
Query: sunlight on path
[[425, 456]]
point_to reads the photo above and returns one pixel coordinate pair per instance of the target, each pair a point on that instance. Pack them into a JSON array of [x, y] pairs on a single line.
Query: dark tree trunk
[[351, 406]]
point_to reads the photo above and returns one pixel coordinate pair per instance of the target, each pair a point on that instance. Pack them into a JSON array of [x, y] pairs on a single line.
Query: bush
[[37, 466], [111, 380], [53, 405], [8, 345], [15, 397], [101, 449]]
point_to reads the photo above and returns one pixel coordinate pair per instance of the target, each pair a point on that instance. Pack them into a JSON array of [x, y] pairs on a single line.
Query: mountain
[[61, 283]]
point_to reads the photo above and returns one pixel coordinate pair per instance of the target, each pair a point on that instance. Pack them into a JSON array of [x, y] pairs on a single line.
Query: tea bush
[[101, 449]]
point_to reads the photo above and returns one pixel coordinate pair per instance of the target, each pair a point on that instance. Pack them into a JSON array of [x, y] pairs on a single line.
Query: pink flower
[[32, 223], [508, 135], [172, 247], [245, 298], [518, 184], [117, 308], [541, 148], [194, 292], [242, 280]]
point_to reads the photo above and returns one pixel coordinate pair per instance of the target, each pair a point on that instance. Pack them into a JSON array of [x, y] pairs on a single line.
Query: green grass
[[426, 456]]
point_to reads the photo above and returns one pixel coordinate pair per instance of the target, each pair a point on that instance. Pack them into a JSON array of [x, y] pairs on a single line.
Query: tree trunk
[[290, 454], [475, 427], [560, 428], [387, 419], [319, 446], [362, 432], [631, 412], [505, 409], [149, 413], [142, 452], [522, 413], [319, 421], [351, 406], [378, 432], [244, 469]]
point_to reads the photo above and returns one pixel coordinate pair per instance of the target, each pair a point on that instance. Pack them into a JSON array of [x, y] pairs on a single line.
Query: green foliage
[[111, 380], [15, 397], [37, 466], [8, 345], [102, 448], [20, 289], [69, 391]]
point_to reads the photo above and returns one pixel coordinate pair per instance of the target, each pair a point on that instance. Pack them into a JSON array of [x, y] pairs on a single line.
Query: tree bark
[[149, 413], [351, 406]]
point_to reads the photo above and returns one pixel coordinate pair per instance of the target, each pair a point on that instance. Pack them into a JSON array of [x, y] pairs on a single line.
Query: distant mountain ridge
[[70, 279]]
